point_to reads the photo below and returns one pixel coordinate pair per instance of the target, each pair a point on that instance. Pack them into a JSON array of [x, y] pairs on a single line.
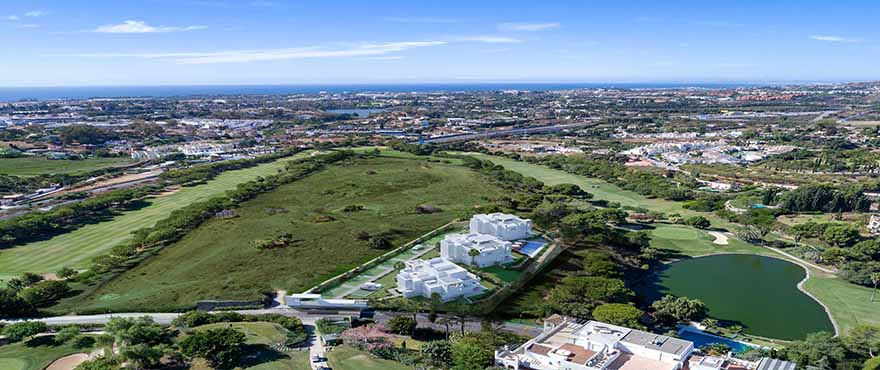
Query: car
[[317, 359]]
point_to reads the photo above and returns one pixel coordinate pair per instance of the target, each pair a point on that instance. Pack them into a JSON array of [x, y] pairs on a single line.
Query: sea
[[11, 94]]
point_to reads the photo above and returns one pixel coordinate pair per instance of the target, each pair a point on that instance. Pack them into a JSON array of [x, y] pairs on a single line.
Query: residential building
[[592, 345], [489, 249], [874, 224], [501, 225], [437, 275]]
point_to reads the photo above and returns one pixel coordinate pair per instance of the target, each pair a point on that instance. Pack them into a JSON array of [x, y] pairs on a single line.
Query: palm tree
[[474, 254], [875, 278]]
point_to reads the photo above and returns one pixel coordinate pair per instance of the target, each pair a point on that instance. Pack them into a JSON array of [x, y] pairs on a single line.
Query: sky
[[216, 42]]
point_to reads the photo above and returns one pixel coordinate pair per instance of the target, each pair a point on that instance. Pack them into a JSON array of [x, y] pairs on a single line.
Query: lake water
[[362, 113], [760, 293]]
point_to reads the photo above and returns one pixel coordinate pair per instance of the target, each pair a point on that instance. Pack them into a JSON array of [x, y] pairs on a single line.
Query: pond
[[759, 293]]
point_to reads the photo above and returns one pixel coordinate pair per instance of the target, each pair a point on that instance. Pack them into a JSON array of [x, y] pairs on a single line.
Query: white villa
[[576, 345], [437, 275], [874, 224], [492, 251], [501, 225]]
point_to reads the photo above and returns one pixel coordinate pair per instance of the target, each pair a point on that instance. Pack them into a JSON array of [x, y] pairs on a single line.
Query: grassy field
[[218, 260], [848, 303], [33, 166], [347, 358], [33, 355], [77, 248], [259, 356]]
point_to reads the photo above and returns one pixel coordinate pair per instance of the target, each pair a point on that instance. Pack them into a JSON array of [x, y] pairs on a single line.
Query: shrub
[[403, 325]]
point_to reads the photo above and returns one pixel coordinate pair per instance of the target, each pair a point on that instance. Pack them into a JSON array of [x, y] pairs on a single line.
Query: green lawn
[[256, 332], [218, 260], [33, 166], [259, 355], [347, 358], [688, 241], [32, 356], [850, 304], [847, 302], [77, 248]]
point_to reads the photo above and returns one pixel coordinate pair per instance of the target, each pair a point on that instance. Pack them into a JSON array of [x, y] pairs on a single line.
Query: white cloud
[[246, 56], [11, 18], [131, 26], [828, 38], [528, 27], [35, 13], [389, 57], [29, 26], [490, 39]]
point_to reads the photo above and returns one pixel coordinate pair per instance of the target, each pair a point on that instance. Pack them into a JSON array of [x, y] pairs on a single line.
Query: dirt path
[[720, 238]]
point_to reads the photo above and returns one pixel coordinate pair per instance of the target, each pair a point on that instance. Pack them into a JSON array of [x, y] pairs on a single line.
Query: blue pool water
[[758, 206], [701, 339], [532, 247]]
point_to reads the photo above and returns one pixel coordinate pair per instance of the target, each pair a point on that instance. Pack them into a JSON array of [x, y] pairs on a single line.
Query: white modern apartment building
[[492, 251], [437, 275], [501, 225], [575, 345]]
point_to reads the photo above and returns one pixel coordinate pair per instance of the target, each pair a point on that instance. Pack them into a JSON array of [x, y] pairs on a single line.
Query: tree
[[193, 319], [863, 340], [221, 347], [438, 352], [751, 234], [82, 341], [821, 349], [680, 308], [379, 242], [403, 325], [840, 235], [699, 222], [470, 353], [578, 295], [600, 264], [474, 253], [26, 280], [67, 273], [66, 334], [100, 363], [619, 314], [132, 331], [44, 293], [11, 304], [571, 190], [140, 356], [23, 330]]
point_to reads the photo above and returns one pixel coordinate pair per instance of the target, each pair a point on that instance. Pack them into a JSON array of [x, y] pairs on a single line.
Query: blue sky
[[158, 42]]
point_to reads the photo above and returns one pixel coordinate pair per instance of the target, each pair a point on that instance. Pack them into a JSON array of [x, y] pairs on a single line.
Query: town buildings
[[426, 277], [567, 344], [501, 225], [489, 250]]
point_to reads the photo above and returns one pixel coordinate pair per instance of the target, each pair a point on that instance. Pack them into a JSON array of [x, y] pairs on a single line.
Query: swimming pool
[[532, 247], [702, 339]]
